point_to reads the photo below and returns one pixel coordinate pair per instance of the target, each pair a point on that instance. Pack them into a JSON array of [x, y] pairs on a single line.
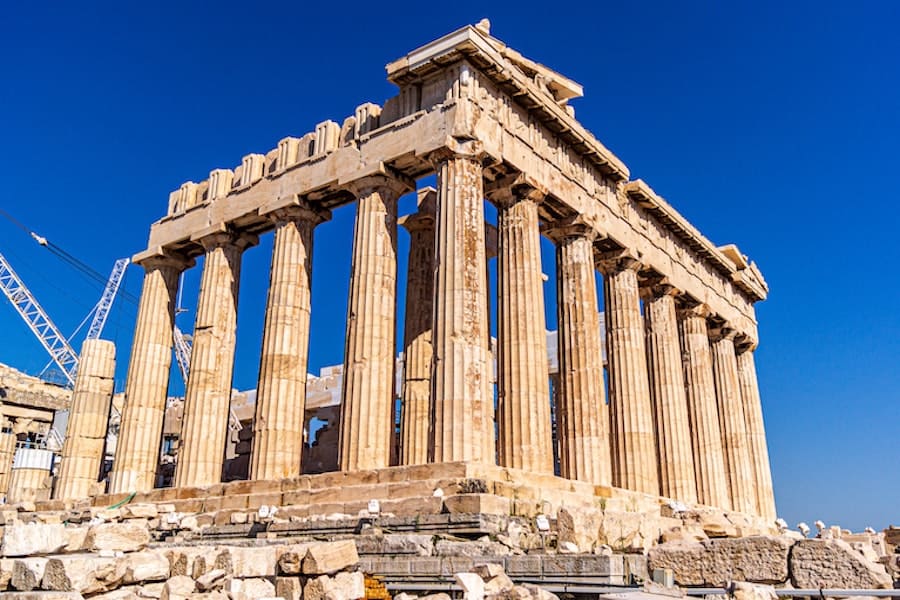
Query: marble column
[[7, 451], [367, 411], [756, 431], [207, 400], [281, 392], [582, 414], [463, 405], [147, 384], [733, 425], [525, 439], [631, 412], [82, 452], [673, 428], [417, 351], [706, 437]]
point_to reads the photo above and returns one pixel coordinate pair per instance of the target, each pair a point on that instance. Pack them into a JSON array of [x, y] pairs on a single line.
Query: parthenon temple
[[674, 413]]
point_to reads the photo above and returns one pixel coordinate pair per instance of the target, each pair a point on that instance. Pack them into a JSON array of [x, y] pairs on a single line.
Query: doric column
[[417, 351], [281, 393], [735, 443], [82, 452], [756, 431], [368, 404], [706, 437], [463, 406], [523, 395], [582, 415], [7, 451], [633, 438], [207, 400], [140, 431], [673, 428]]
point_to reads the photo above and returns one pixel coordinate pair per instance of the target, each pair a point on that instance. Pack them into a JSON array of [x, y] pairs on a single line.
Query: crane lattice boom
[[38, 321], [101, 311]]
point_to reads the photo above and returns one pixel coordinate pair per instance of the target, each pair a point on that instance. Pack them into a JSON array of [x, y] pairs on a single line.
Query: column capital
[[301, 211], [424, 217], [468, 149], [519, 187], [294, 207], [219, 236], [722, 331], [687, 311], [617, 261], [570, 228], [656, 286], [384, 183], [163, 258], [744, 343]]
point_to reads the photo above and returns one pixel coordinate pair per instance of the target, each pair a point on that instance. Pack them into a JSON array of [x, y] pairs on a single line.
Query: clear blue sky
[[771, 125]]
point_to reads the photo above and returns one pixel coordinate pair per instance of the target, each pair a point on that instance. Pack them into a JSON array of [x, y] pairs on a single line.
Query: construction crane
[[101, 310], [38, 321]]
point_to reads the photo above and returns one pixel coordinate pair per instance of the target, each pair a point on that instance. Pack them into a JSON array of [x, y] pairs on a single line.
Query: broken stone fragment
[[471, 584], [251, 589], [27, 573], [84, 573], [179, 587]]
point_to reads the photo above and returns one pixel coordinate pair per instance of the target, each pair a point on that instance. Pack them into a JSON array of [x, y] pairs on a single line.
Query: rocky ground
[[150, 550]]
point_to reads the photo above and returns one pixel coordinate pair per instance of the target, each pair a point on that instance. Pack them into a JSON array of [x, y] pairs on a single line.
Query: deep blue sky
[[771, 125]]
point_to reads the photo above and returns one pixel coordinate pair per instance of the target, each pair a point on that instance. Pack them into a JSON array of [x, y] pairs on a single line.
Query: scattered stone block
[[30, 539], [834, 564], [757, 559], [330, 557], [129, 536]]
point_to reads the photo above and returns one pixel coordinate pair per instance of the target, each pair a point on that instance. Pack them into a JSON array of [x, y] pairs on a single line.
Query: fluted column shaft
[[207, 400], [368, 403], [415, 419], [676, 460], [706, 436], [281, 393], [633, 437], [735, 442], [523, 401], [146, 388], [756, 431], [7, 451], [461, 394], [582, 414], [82, 452]]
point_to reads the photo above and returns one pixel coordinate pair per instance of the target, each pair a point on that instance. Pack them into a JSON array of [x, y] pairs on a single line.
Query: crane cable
[[57, 251]]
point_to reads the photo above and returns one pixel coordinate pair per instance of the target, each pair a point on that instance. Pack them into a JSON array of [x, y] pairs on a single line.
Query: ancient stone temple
[[680, 417]]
